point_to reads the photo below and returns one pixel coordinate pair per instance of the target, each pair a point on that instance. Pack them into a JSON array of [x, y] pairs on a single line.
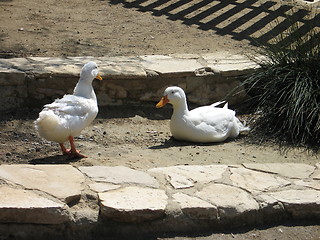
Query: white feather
[[69, 115], [203, 124]]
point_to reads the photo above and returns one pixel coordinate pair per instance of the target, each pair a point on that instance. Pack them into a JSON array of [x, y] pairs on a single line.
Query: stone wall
[[35, 81]]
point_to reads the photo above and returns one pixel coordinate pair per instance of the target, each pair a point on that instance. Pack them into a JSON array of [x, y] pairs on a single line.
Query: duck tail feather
[[47, 121], [226, 106], [217, 103], [242, 128]]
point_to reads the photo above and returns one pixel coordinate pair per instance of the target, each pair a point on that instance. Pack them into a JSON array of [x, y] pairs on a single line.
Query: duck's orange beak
[[98, 77], [164, 100]]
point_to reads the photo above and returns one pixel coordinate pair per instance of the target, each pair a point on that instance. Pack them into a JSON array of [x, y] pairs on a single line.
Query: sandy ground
[[101, 28], [133, 136], [136, 136], [305, 231]]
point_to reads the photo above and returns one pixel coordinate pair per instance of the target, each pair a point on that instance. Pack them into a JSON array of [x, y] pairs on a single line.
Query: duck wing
[[219, 121], [70, 105], [66, 116]]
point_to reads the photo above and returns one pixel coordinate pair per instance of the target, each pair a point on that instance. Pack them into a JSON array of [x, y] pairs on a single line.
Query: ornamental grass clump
[[286, 88]]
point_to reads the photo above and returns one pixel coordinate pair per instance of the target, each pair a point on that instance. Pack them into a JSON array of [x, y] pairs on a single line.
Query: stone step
[[168, 199], [35, 81]]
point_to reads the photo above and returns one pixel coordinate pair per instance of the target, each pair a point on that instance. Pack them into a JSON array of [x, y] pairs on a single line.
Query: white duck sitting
[[203, 124], [65, 118]]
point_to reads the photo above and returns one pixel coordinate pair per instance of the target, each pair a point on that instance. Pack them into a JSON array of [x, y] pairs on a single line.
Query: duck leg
[[63, 149], [73, 153]]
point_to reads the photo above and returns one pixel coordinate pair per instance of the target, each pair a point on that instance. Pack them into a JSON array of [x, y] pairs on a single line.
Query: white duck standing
[[203, 124], [65, 118]]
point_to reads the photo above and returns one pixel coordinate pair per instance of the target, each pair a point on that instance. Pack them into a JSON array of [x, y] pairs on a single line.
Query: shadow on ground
[[253, 20]]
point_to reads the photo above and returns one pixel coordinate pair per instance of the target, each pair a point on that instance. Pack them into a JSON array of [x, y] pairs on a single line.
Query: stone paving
[[177, 198]]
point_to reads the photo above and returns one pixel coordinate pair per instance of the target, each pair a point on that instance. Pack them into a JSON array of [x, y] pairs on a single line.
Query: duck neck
[[180, 108], [84, 89]]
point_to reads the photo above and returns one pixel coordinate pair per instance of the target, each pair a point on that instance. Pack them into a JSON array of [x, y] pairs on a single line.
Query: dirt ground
[[133, 136], [306, 231], [100, 28]]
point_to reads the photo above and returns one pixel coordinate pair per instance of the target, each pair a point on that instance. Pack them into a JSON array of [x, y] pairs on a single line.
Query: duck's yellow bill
[[164, 100], [98, 77]]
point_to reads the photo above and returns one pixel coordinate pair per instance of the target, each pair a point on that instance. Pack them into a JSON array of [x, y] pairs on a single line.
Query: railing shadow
[[252, 20]]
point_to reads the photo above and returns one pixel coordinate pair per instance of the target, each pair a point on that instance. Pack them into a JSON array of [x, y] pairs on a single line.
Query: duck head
[[84, 88], [173, 95], [89, 72]]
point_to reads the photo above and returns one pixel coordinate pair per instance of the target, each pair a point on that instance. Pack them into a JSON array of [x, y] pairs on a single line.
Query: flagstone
[[167, 65], [25, 206], [186, 176], [230, 201], [103, 187], [316, 174], [315, 184], [133, 204], [299, 203], [194, 207], [62, 181], [229, 64], [119, 175], [254, 181], [290, 170]]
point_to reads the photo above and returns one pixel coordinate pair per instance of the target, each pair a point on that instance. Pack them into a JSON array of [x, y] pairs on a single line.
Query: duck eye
[[172, 92]]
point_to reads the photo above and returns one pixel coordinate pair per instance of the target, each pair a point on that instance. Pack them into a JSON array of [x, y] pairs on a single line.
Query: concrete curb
[[207, 78], [64, 202]]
